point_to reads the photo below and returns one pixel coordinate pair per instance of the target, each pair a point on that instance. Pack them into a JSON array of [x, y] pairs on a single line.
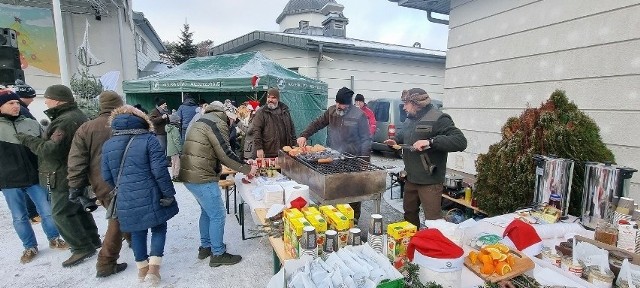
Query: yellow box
[[288, 215], [321, 225], [398, 238], [337, 221], [297, 226], [327, 210], [310, 210], [347, 211], [401, 230]]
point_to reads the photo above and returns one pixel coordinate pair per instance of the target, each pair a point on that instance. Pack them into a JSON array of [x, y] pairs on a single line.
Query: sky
[[221, 21]]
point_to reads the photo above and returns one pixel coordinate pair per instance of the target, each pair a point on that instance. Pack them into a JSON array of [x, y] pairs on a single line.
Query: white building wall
[[293, 21], [152, 53], [373, 77], [506, 55]]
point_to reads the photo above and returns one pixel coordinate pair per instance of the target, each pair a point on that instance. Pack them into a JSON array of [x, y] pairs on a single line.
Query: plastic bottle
[[467, 194]]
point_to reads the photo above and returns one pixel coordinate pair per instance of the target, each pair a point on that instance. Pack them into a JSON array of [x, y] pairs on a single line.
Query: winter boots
[[224, 259], [153, 274], [203, 253], [77, 258], [108, 270], [143, 269], [28, 255]]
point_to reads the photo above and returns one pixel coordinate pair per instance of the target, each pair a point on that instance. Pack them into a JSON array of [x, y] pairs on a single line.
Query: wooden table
[[464, 203], [279, 253]]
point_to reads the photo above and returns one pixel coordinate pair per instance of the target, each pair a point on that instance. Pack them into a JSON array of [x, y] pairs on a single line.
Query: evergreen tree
[[185, 49]]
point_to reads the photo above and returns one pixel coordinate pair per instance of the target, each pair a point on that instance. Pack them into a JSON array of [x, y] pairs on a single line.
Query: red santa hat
[[253, 105], [430, 249], [523, 237]]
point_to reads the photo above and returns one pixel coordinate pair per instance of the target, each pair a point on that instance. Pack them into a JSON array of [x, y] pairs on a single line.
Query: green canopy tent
[[229, 76]]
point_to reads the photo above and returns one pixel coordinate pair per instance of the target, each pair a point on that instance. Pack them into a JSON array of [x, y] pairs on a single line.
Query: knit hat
[[359, 97], [160, 101], [274, 92], [25, 91], [344, 96], [7, 95], [431, 249], [416, 96], [523, 237], [60, 93], [109, 100]]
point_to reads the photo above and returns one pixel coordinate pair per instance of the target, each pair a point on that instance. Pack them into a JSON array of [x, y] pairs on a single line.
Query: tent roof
[[228, 72]]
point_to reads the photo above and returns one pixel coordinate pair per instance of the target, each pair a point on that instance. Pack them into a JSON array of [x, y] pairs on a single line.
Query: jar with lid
[[599, 278], [606, 233], [555, 200], [615, 260]]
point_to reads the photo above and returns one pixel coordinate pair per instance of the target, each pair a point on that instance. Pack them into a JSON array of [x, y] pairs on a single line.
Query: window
[[303, 24], [294, 69], [381, 111], [403, 114], [338, 26], [144, 46]]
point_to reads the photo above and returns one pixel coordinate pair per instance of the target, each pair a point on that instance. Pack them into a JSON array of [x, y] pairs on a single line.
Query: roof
[[148, 30], [437, 6], [329, 44], [302, 6], [228, 72]]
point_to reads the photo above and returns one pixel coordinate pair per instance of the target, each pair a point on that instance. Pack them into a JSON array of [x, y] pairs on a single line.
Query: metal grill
[[344, 165]]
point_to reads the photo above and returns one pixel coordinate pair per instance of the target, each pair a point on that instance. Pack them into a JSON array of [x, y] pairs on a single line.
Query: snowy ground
[[180, 266]]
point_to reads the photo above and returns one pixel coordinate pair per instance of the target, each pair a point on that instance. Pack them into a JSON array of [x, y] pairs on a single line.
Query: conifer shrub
[[506, 173]]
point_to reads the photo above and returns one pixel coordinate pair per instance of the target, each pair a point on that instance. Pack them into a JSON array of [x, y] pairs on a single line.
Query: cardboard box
[[327, 210], [398, 236], [348, 212], [297, 226], [337, 221], [321, 225], [288, 215], [310, 210]]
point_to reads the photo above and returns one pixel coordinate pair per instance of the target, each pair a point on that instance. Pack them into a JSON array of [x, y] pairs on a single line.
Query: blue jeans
[[139, 242], [212, 215], [16, 200]]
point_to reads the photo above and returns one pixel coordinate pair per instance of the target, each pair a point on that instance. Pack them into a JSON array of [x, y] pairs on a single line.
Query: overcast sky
[[224, 20]]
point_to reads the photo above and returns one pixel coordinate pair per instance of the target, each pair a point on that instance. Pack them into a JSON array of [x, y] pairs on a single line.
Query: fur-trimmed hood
[[129, 117]]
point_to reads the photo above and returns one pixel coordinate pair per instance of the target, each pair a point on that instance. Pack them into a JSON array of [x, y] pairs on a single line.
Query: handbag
[[112, 207]]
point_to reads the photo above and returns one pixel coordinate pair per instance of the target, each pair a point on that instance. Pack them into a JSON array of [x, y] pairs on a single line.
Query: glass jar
[[555, 200], [606, 233], [599, 278]]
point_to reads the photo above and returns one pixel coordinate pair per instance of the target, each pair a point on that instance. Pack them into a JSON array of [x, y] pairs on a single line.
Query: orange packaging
[[321, 225], [348, 212], [398, 236]]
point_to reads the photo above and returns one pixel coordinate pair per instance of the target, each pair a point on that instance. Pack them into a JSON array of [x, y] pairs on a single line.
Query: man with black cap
[[74, 223], [19, 177], [85, 169], [432, 135], [273, 127], [370, 116], [347, 130], [27, 94]]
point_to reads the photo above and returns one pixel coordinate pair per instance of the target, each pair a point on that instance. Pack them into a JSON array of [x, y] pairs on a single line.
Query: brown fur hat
[[416, 96], [128, 109]]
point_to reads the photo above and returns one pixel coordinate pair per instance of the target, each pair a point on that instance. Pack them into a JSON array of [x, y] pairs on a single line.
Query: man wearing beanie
[[273, 127], [347, 130], [75, 224], [26, 94], [370, 116], [85, 170], [19, 177], [432, 135]]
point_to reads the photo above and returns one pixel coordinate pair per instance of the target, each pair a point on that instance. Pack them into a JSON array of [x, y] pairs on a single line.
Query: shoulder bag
[[111, 208]]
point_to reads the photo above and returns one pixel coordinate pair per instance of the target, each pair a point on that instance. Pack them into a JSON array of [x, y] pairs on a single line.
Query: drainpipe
[[62, 46], [318, 62], [121, 44], [436, 20]]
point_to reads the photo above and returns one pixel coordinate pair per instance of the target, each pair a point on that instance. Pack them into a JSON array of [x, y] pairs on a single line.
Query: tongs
[[403, 146]]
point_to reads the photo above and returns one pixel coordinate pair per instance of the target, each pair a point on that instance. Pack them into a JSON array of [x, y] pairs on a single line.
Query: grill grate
[[338, 166]]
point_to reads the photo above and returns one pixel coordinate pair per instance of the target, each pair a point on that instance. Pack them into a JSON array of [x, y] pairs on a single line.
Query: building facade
[[504, 56]]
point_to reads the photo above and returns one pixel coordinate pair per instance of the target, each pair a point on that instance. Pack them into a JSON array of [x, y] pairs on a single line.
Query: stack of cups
[[354, 237], [330, 243], [376, 237], [308, 242]]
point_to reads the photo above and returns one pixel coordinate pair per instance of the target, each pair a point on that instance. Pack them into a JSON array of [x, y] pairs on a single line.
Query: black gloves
[[74, 193], [166, 201]]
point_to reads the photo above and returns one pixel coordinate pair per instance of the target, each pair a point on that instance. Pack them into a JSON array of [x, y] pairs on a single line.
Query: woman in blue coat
[[145, 195]]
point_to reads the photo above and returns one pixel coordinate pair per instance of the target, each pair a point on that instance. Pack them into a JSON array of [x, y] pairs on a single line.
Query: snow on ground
[[180, 267]]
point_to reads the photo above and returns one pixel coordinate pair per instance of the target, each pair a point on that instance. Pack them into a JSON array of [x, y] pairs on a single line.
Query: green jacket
[[53, 149], [207, 148], [173, 140], [19, 165], [429, 166]]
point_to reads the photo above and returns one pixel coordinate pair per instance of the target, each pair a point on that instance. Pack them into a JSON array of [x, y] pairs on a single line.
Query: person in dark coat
[[433, 135], [76, 225], [347, 129], [145, 196], [273, 127], [85, 170], [186, 111], [160, 118]]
